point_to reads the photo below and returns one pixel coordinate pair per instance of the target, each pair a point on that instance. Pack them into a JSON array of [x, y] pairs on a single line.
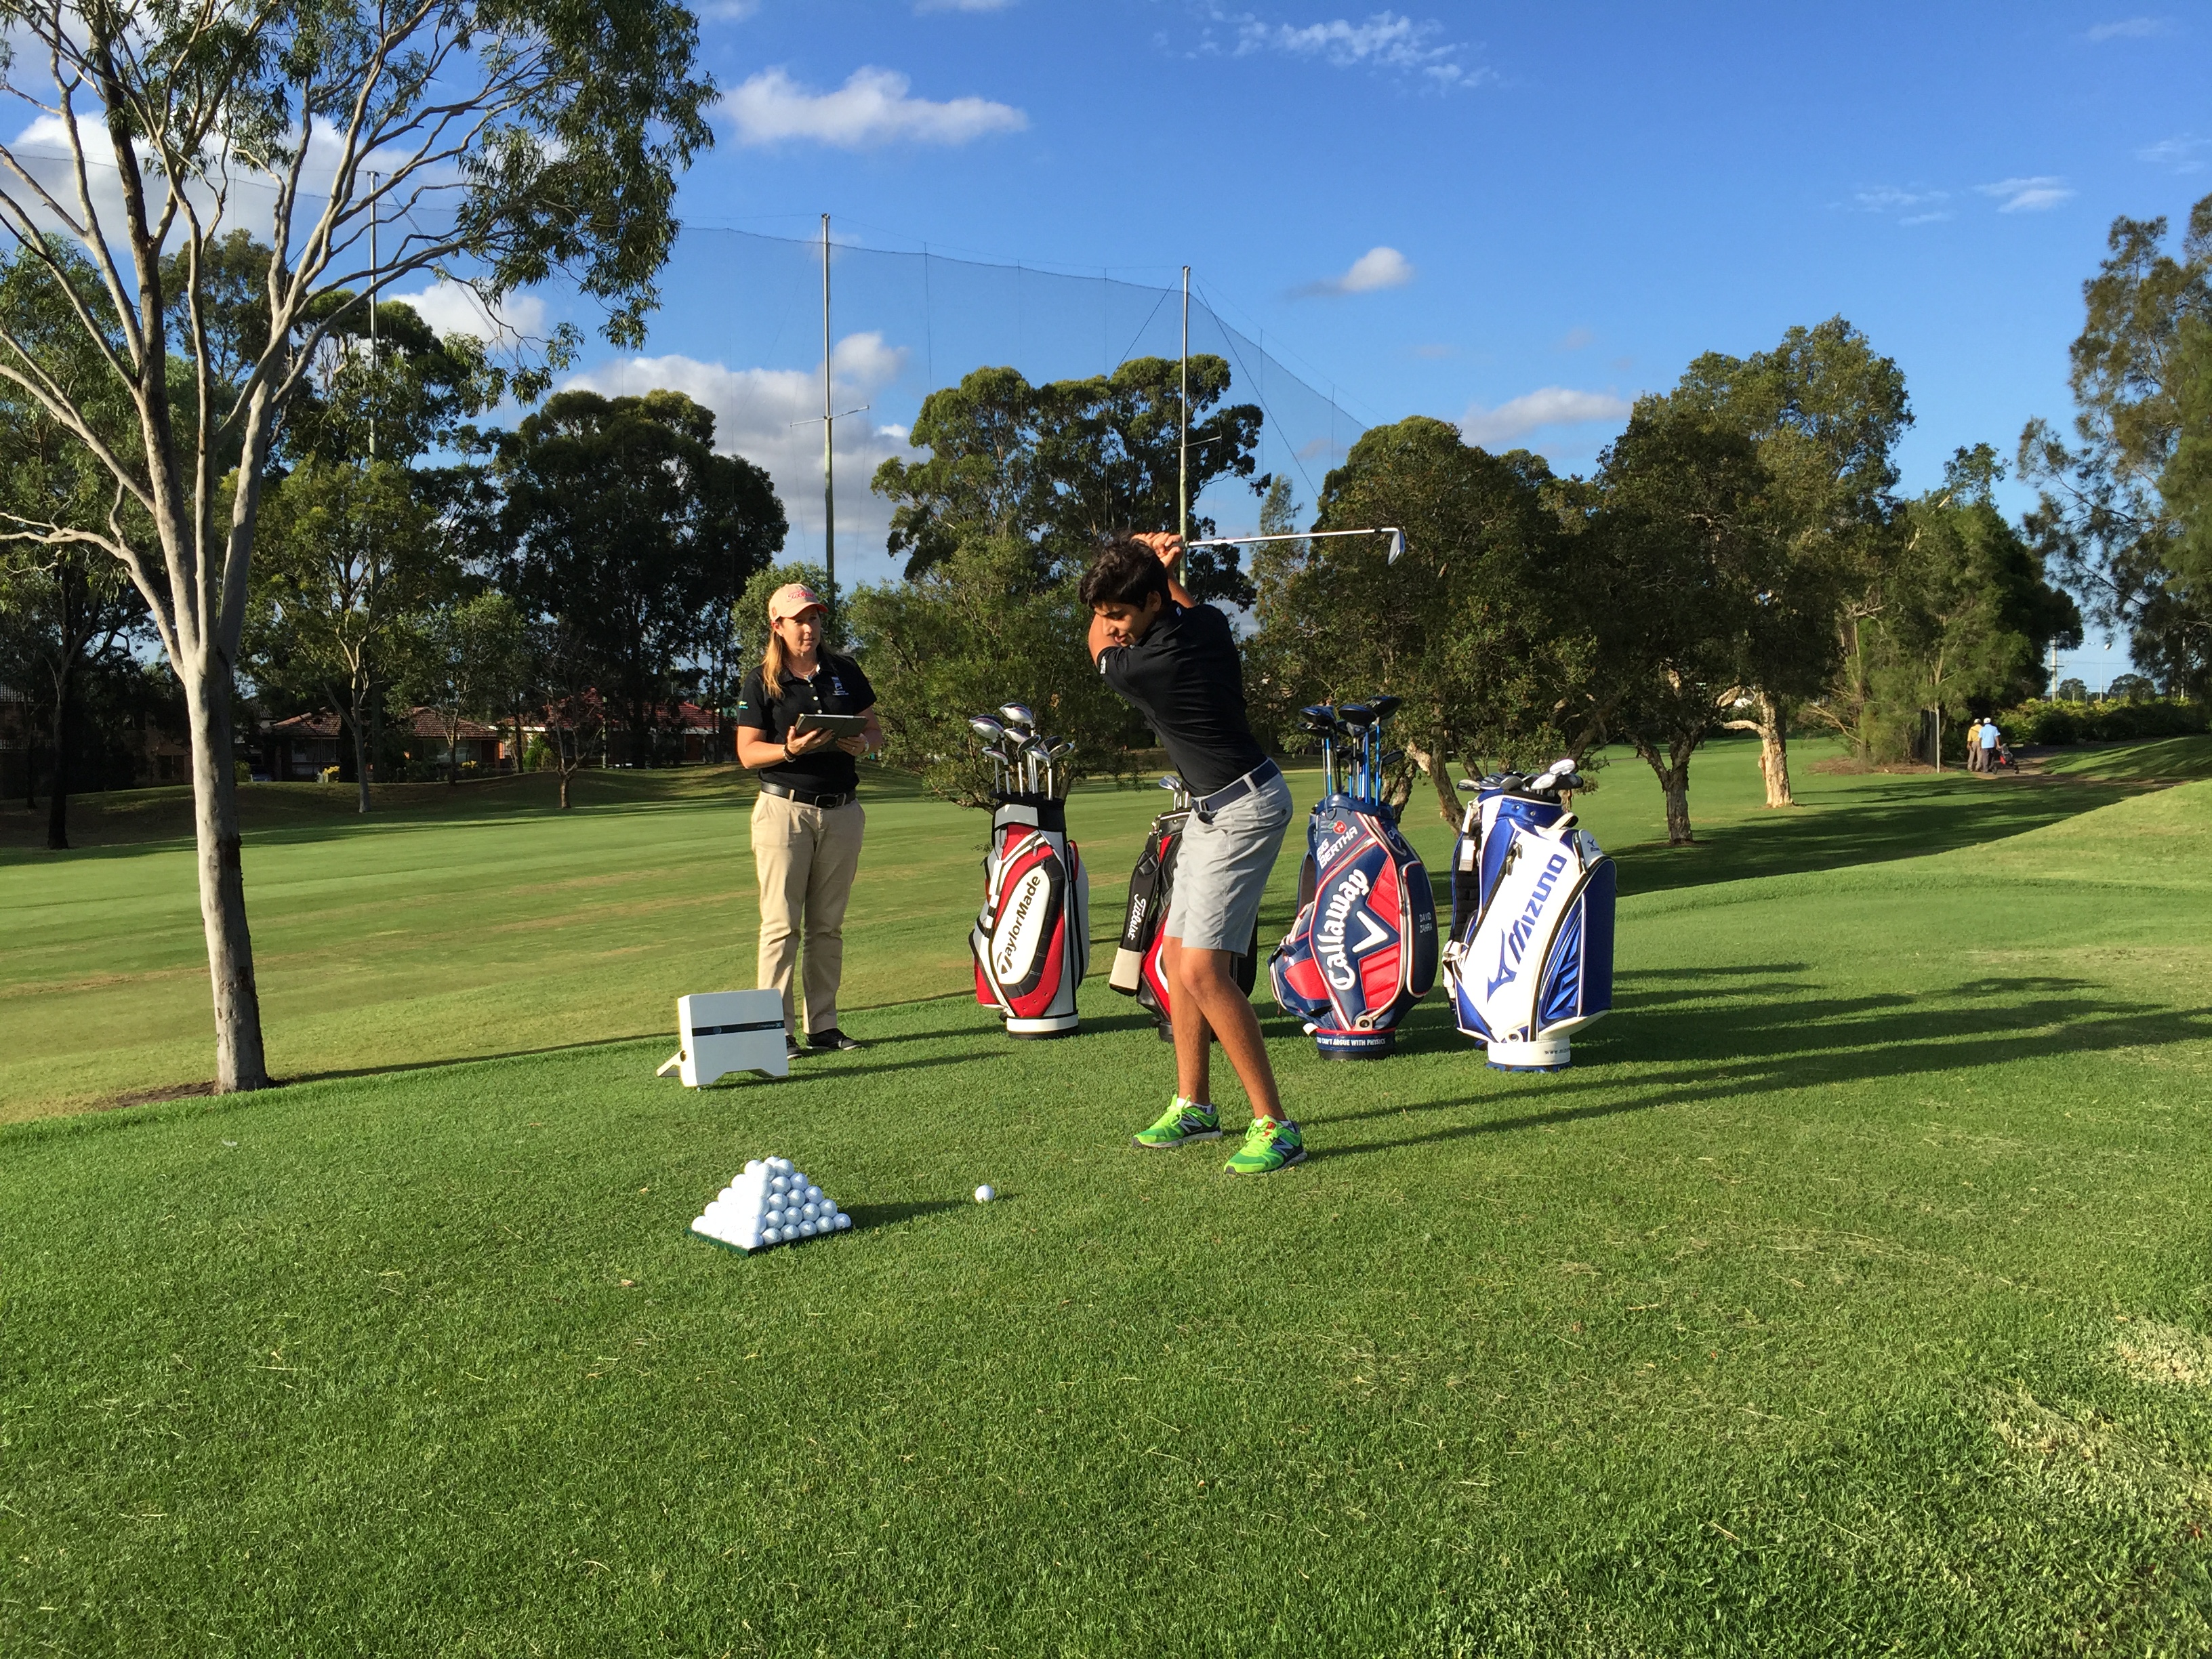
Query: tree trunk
[[1674, 774], [1772, 722], [360, 758], [58, 786], [238, 1059]]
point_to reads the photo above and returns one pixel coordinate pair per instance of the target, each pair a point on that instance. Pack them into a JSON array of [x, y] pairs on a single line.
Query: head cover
[[792, 599]]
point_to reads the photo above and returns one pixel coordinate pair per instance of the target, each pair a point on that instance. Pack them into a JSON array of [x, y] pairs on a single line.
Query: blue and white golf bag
[[1530, 960], [1363, 948]]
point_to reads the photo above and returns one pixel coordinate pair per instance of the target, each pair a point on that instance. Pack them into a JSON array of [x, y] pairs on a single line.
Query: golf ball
[[806, 1229], [985, 1194], [771, 1236], [813, 1194], [753, 1166], [843, 1220], [780, 1165], [778, 1183]]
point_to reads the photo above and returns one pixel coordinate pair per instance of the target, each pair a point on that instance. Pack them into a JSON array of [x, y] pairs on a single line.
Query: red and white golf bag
[[1139, 971], [1363, 948], [1031, 943]]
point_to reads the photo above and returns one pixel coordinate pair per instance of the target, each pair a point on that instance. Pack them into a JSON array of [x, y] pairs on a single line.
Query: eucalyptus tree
[[500, 142], [1823, 412], [1463, 628], [2124, 513]]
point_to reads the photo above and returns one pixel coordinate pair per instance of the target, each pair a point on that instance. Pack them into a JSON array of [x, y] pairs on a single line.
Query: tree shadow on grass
[[1902, 819], [1739, 1050]]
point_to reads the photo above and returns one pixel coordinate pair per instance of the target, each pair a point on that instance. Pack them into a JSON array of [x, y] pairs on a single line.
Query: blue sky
[[1515, 218]]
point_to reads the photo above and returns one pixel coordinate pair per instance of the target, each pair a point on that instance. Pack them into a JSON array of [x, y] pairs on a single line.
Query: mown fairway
[[1850, 1296]]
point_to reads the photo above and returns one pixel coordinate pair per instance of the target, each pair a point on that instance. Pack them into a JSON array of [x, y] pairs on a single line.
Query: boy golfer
[[1175, 661]]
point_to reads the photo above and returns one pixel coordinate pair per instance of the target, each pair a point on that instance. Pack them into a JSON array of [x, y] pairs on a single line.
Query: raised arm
[[1168, 546]]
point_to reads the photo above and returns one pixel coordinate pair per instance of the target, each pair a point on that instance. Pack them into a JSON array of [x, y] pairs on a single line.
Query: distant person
[[808, 821], [1174, 660], [1974, 746], [1990, 739]]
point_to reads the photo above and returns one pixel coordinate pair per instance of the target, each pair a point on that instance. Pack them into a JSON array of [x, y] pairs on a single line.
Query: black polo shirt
[[838, 688], [1184, 678]]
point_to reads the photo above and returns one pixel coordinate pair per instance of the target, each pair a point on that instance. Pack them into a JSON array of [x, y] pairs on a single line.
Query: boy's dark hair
[[1125, 572]]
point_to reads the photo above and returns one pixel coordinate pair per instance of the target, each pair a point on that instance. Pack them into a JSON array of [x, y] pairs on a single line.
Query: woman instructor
[[807, 822]]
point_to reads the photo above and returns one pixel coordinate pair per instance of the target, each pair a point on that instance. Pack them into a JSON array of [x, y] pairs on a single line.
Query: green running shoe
[[1185, 1121], [1268, 1146]]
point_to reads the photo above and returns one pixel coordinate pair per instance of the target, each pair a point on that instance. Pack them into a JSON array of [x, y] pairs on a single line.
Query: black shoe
[[792, 1047], [832, 1038]]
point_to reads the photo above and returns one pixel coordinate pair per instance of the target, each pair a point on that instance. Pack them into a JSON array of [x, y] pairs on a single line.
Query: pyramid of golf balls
[[773, 1202]]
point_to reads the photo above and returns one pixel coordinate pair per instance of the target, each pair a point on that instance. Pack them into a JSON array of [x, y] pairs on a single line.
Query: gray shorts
[[1221, 870]]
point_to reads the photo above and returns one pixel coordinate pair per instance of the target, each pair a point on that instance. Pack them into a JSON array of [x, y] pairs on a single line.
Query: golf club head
[[1319, 714], [1385, 707], [1016, 713], [1392, 758], [1062, 748], [1397, 546], [1355, 713], [1471, 784], [986, 728]]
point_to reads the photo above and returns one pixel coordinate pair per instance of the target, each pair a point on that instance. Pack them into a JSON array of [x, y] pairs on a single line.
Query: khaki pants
[[806, 857]]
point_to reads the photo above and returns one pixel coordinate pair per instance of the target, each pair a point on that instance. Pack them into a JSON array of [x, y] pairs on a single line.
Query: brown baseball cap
[[792, 599]]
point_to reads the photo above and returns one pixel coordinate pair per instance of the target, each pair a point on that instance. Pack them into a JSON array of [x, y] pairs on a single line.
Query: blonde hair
[[772, 662]]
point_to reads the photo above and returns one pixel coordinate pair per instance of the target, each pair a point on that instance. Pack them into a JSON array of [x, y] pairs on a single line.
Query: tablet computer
[[841, 725]]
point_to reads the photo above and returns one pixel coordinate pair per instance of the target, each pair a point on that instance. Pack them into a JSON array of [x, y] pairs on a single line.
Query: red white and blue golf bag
[[1031, 943], [1139, 971], [1363, 948], [1530, 960]]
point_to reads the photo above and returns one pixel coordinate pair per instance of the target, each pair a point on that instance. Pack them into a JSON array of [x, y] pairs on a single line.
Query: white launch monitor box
[[725, 1031]]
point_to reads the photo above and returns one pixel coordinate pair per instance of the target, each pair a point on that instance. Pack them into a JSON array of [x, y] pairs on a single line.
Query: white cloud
[[870, 109], [2183, 153], [1385, 40], [773, 416], [1576, 338], [453, 308], [2028, 194], [1893, 198], [729, 11], [1378, 268], [2128, 28], [1552, 405]]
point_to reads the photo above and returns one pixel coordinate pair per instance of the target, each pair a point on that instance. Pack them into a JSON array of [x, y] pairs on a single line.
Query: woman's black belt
[[822, 798]]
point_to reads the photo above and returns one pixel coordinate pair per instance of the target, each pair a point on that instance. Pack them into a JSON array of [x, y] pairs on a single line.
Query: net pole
[[1182, 457], [829, 429]]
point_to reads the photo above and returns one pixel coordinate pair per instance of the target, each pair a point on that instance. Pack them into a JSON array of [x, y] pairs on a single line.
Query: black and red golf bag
[[1139, 971], [1363, 948], [1031, 943]]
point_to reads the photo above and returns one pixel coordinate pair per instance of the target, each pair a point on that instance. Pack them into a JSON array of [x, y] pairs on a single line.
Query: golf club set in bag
[[1139, 971], [1363, 948], [1530, 956], [1530, 960], [1031, 943]]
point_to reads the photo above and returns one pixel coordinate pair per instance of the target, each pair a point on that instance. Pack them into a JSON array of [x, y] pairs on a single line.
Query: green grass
[[1848, 1296], [478, 921]]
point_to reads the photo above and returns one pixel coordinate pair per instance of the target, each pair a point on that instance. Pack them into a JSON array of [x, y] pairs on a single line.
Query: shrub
[[2062, 722], [243, 771]]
